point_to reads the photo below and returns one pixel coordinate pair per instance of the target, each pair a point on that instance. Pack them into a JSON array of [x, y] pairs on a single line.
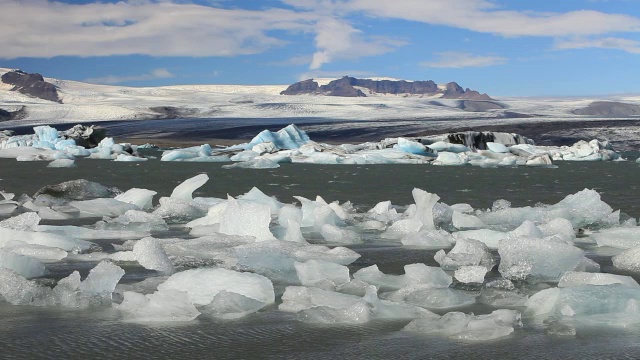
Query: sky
[[501, 47]]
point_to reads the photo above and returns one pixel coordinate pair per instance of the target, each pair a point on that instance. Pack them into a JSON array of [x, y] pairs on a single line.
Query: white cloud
[[630, 46], [114, 79], [336, 40], [454, 59], [47, 29], [485, 16]]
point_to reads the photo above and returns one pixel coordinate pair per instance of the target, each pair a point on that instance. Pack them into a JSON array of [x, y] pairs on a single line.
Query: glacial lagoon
[[54, 332]]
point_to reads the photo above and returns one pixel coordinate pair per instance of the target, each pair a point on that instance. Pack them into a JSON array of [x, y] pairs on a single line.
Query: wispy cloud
[[630, 46], [337, 40], [156, 28], [206, 29], [115, 79], [486, 16], [454, 59]]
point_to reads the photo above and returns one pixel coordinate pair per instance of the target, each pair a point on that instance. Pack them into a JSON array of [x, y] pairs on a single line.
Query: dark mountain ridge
[[352, 87], [31, 85]]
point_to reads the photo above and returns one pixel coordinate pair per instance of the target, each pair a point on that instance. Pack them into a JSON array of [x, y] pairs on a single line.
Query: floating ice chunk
[[526, 229], [374, 276], [497, 147], [82, 233], [230, 305], [614, 304], [381, 208], [246, 155], [410, 146], [161, 306], [401, 228], [8, 236], [471, 274], [628, 260], [539, 160], [588, 265], [463, 208], [265, 147], [62, 163], [17, 290], [298, 298], [621, 238], [575, 278], [431, 298], [275, 259], [213, 217], [466, 252], [43, 253], [502, 293], [586, 208], [558, 227], [293, 233], [449, 324], [322, 274], [256, 163], [463, 221], [134, 220], [102, 207], [448, 147], [203, 285], [426, 276], [46, 134], [180, 209], [25, 222], [142, 198], [424, 207], [129, 158], [317, 214], [25, 266], [102, 280], [336, 235], [248, 219], [150, 254], [356, 310], [256, 196], [290, 137], [185, 190], [428, 238], [582, 209], [536, 259], [460, 326], [7, 208], [451, 159], [490, 238], [289, 213], [370, 225]]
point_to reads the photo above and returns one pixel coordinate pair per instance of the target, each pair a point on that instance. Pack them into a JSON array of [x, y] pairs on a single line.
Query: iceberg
[[202, 285], [536, 260]]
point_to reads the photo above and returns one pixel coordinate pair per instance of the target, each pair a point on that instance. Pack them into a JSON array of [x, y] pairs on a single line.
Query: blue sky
[[504, 48]]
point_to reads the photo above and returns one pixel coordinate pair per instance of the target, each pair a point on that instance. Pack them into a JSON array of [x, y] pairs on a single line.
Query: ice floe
[[252, 253], [268, 150]]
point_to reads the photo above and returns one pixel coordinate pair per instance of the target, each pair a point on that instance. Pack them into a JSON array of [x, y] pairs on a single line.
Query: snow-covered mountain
[[90, 102]]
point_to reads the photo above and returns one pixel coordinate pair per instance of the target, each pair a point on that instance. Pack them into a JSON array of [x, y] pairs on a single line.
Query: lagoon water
[[29, 332]]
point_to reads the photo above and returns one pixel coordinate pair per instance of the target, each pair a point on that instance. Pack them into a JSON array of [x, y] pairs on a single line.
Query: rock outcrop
[[6, 115], [31, 85], [609, 109], [354, 87]]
